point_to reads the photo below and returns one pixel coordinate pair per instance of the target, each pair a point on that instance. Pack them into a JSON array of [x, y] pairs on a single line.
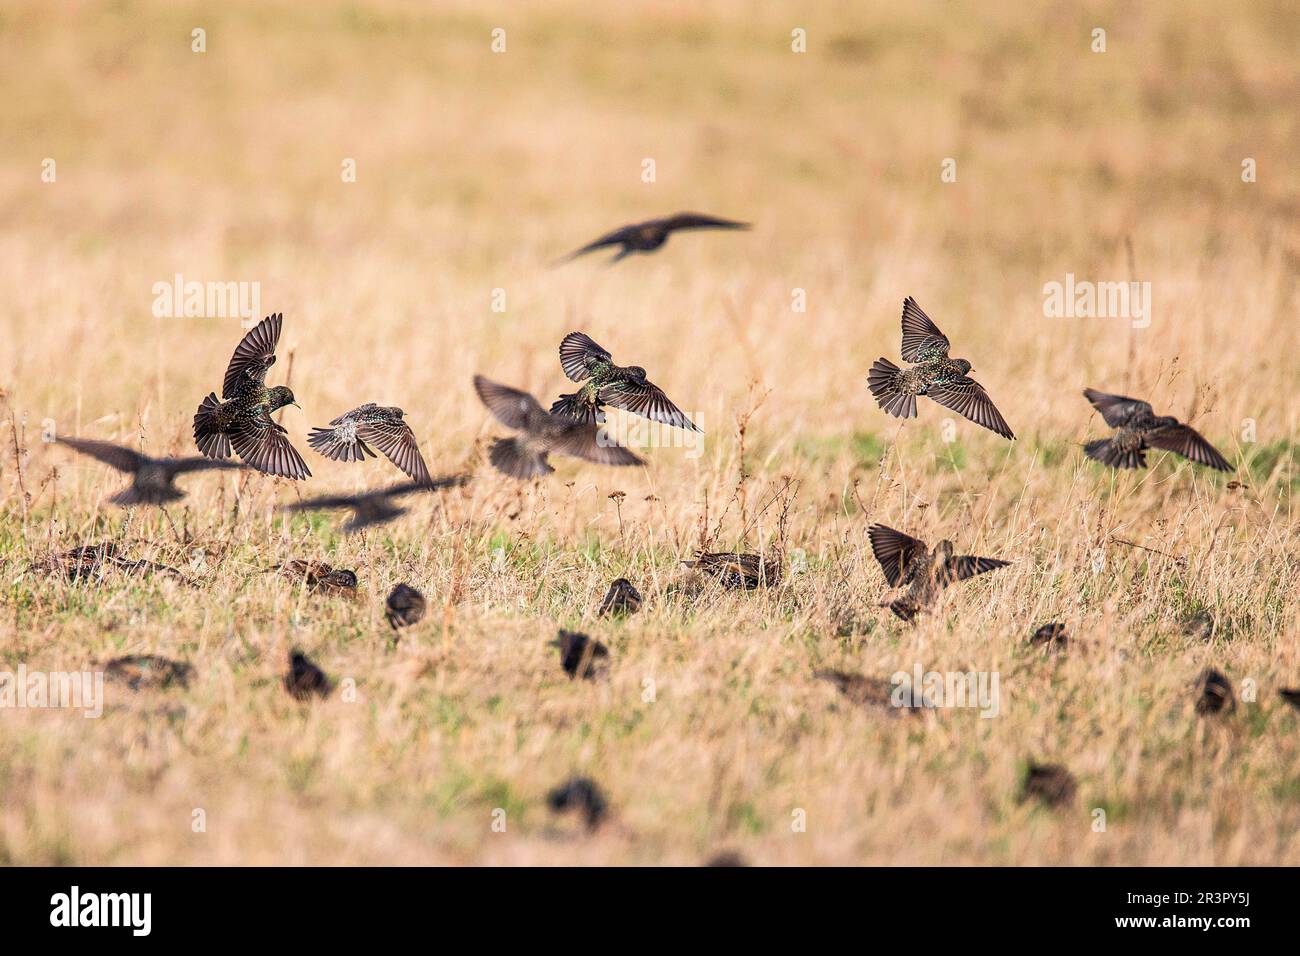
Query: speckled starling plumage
[[621, 598], [932, 374], [1138, 428], [739, 571], [320, 578], [152, 479], [648, 236], [604, 383], [384, 427], [241, 418], [525, 456], [919, 574]]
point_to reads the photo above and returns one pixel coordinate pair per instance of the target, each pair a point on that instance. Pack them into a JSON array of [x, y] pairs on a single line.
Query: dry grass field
[[475, 171]]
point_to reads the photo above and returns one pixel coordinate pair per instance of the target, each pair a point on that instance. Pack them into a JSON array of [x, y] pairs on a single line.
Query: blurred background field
[[475, 171]]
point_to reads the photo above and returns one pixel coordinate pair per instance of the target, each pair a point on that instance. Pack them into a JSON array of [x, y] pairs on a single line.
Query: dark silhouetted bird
[[405, 606], [1052, 636], [1137, 428], [1214, 693], [138, 671], [919, 573], [385, 428], [241, 419], [621, 598], [151, 478], [305, 679], [374, 507], [320, 578], [739, 571], [649, 236], [932, 374], [1291, 696], [610, 384], [580, 656], [874, 692], [1051, 783], [581, 795], [525, 455]]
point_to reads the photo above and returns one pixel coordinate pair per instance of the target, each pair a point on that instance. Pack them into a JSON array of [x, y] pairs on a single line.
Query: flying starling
[[870, 691], [1051, 636], [580, 794], [919, 573], [138, 671], [345, 439], [621, 598], [405, 606], [649, 236], [305, 678], [1291, 696], [739, 571], [1051, 783], [1137, 428], [151, 478], [610, 384], [320, 578], [580, 656], [1214, 693], [525, 455], [933, 374], [241, 419], [374, 507]]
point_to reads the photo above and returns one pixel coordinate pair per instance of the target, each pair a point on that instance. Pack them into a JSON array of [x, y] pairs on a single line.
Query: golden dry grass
[[475, 171]]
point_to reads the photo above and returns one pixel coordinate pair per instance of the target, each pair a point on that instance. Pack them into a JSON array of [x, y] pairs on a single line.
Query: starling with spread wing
[[1138, 428], [241, 418], [918, 574], [541, 433], [605, 383], [346, 438], [151, 478], [932, 374], [650, 235]]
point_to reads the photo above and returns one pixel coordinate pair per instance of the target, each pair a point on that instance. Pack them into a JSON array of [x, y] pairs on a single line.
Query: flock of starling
[[239, 423]]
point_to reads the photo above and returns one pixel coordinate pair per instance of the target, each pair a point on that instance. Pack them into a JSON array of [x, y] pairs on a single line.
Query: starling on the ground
[[305, 678], [1291, 696], [1051, 636], [919, 573], [241, 419], [871, 691], [405, 606], [621, 598], [151, 478], [345, 439], [580, 656], [1214, 693], [374, 507], [321, 578], [95, 560], [649, 236], [148, 670], [610, 384], [1051, 783], [1137, 428], [739, 571], [932, 374], [580, 794], [525, 455]]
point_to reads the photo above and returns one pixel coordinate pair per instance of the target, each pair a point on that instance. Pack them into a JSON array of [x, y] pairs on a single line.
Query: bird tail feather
[[1107, 452], [883, 382], [208, 436], [325, 441], [573, 408]]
